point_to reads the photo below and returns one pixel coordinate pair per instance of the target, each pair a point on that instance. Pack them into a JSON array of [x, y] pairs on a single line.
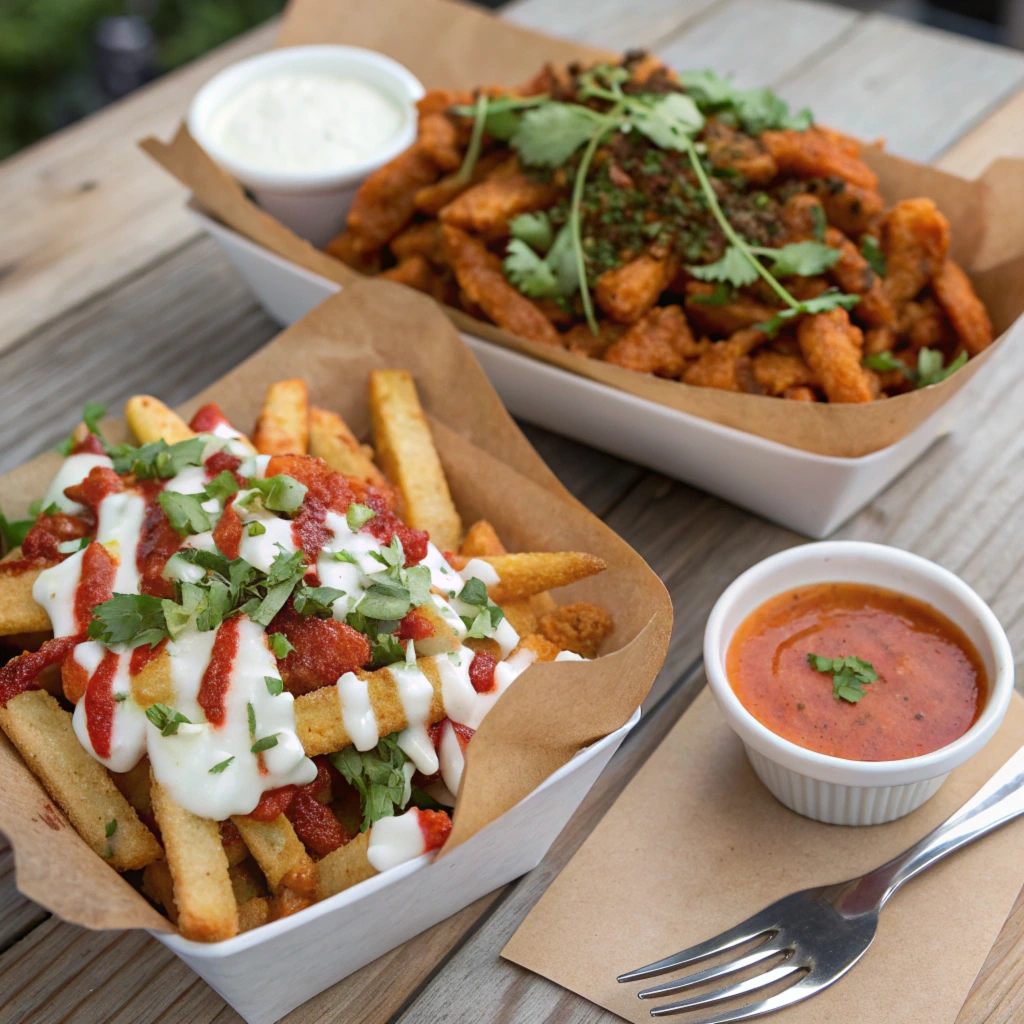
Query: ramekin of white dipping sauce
[[303, 126]]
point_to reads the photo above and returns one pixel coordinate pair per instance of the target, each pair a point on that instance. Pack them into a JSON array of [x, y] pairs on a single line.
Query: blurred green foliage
[[47, 53]]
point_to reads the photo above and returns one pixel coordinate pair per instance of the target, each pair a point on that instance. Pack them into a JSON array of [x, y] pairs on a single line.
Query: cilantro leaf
[[670, 121], [280, 493], [275, 685], [760, 110], [548, 135], [222, 486], [473, 592], [220, 766], [184, 512], [803, 259], [723, 294], [484, 623], [316, 600], [872, 252], [92, 413], [358, 516], [534, 229], [503, 113], [884, 362], [384, 599], [824, 303], [377, 776], [849, 675], [708, 88], [157, 459], [264, 744], [930, 369], [165, 719], [733, 268], [131, 619], [528, 272], [280, 645], [13, 533], [252, 717]]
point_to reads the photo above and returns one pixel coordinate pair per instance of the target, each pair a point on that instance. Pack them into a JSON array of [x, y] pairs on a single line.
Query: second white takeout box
[[809, 493], [267, 972]]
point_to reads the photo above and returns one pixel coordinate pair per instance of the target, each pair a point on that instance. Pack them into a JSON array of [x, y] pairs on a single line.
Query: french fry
[[158, 886], [443, 640], [344, 867], [318, 719], [579, 627], [199, 869], [136, 786], [279, 852], [19, 612], [405, 450], [41, 730], [283, 426], [525, 574], [253, 913], [286, 903], [331, 440], [247, 881], [541, 647], [150, 420]]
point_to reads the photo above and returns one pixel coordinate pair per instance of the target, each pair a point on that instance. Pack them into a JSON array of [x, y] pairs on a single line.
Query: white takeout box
[[812, 494], [267, 972]]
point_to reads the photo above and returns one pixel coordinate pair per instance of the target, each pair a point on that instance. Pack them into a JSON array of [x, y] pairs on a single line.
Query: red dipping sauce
[[931, 683]]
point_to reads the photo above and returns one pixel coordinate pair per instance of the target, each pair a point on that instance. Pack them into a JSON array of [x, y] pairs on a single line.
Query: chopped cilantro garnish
[[849, 675], [378, 777], [222, 486], [358, 516], [264, 744], [165, 719], [275, 685], [157, 459], [279, 493], [111, 828], [221, 765], [280, 645], [184, 512]]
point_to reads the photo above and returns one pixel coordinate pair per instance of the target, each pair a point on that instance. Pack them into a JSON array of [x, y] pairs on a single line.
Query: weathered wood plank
[[85, 208], [757, 42], [610, 24], [918, 88]]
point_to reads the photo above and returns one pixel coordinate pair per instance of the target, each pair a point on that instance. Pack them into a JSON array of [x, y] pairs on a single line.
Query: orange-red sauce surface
[[931, 684]]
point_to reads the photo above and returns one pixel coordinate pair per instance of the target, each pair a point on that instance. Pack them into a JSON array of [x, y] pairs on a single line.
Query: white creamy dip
[[305, 121]]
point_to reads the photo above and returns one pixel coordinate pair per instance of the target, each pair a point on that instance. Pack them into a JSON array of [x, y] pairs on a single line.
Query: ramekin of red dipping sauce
[[859, 788]]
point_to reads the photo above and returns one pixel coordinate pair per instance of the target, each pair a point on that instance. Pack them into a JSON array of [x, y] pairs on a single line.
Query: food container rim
[[838, 770], [191, 949]]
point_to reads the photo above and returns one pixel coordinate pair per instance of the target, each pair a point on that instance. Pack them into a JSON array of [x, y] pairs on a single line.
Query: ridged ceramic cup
[[834, 789]]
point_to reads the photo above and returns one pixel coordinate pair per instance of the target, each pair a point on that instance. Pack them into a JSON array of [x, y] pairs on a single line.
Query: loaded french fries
[[267, 657]]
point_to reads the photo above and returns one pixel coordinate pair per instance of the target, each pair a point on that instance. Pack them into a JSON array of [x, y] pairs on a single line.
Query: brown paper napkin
[[695, 844]]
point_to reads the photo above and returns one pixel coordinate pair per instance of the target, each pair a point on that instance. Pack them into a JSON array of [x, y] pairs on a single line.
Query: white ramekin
[[834, 789], [313, 204]]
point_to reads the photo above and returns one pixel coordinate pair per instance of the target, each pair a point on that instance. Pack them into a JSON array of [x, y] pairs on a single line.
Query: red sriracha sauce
[[415, 626], [100, 705], [223, 460], [22, 673], [228, 533], [96, 584], [217, 677], [314, 822], [143, 655], [436, 826], [273, 803], [208, 418], [481, 671]]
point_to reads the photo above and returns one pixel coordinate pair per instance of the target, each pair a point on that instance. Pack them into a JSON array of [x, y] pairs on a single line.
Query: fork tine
[[746, 931], [741, 988], [797, 993], [756, 956]]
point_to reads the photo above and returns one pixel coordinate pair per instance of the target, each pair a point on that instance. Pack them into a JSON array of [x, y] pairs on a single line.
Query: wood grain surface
[[102, 272]]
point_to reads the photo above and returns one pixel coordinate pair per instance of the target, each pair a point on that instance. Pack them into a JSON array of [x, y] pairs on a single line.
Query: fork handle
[[1000, 800]]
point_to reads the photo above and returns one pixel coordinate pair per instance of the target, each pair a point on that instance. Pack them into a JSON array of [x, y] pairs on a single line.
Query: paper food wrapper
[[552, 710], [695, 844], [467, 48]]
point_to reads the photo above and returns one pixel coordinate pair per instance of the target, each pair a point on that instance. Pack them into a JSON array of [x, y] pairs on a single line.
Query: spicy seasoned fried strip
[[405, 450], [915, 240], [331, 440], [777, 373], [854, 274], [853, 209], [419, 240], [734, 150], [726, 364], [319, 722], [41, 731], [19, 612], [965, 310], [814, 154], [832, 347], [803, 216], [283, 426], [386, 201], [439, 139], [627, 292], [279, 852], [480, 277], [344, 867], [415, 272], [432, 199], [199, 868], [660, 342], [735, 314], [150, 420], [486, 209]]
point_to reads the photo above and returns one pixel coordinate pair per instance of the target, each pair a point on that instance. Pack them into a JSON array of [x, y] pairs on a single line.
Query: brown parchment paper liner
[[551, 711], [446, 44], [695, 844]]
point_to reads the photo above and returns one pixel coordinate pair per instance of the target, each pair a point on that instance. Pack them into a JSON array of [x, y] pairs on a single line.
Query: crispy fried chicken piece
[[832, 347], [854, 275], [629, 291], [915, 240], [816, 154], [726, 365], [660, 342], [965, 310], [486, 209], [741, 312], [733, 150], [777, 374]]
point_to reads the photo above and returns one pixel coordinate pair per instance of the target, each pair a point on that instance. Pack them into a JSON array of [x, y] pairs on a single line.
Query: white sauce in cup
[[308, 121]]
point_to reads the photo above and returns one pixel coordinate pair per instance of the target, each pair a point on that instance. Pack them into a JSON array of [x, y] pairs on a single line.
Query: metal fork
[[812, 938]]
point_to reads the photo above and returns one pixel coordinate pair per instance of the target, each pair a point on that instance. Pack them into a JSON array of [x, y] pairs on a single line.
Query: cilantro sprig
[[92, 413], [487, 617], [929, 369], [377, 775], [13, 532], [849, 675], [158, 459]]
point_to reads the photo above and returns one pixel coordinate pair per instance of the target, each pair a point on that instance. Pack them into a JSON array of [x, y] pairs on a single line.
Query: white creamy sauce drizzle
[[305, 121], [395, 840], [416, 695], [72, 472], [451, 757], [357, 712]]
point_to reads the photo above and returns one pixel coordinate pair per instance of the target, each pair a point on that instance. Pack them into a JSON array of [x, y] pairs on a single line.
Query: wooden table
[[107, 287]]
